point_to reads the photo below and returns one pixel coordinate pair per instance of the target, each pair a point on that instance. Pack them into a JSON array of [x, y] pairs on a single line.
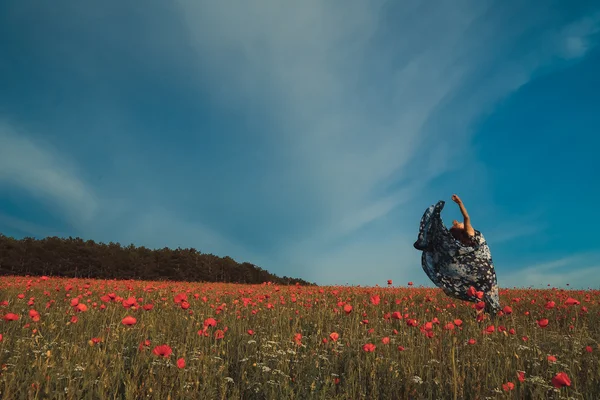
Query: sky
[[308, 137]]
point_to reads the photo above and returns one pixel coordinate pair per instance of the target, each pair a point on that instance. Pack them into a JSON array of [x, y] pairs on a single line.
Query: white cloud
[[576, 38], [517, 227], [580, 271], [357, 108], [346, 127], [40, 170], [158, 228], [370, 261], [361, 100]]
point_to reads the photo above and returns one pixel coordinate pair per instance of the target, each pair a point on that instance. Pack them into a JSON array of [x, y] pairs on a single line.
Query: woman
[[458, 260]]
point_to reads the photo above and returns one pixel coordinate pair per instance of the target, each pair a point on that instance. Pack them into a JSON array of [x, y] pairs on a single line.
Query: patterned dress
[[454, 266]]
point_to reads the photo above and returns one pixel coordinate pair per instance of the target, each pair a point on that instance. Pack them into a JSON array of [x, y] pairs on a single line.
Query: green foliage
[[77, 258], [56, 358]]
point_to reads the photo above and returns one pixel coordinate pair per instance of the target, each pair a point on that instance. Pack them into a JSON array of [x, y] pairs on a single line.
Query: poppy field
[[106, 339]]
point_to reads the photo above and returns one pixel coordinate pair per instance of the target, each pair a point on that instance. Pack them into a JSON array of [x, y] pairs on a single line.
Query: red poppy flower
[[588, 349], [129, 321], [11, 317], [162, 350], [334, 336], [572, 302], [543, 323], [105, 298], [560, 380], [129, 302], [210, 322], [144, 344], [34, 315], [385, 340], [369, 347], [508, 386], [471, 291], [521, 376], [180, 363], [180, 298], [81, 307], [551, 359]]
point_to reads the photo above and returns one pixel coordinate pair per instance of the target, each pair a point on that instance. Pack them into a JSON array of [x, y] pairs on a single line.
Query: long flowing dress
[[455, 266]]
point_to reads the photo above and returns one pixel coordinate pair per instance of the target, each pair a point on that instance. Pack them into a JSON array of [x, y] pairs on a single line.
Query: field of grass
[[91, 339]]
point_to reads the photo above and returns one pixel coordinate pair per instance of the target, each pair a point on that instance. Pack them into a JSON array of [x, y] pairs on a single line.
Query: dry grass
[[99, 357]]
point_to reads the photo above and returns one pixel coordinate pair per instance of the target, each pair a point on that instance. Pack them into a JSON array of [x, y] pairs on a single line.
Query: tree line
[[78, 258]]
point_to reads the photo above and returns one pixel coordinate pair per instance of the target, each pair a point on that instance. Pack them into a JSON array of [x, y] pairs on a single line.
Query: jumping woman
[[457, 260]]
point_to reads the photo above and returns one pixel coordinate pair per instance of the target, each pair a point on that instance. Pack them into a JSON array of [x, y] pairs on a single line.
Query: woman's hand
[[456, 199]]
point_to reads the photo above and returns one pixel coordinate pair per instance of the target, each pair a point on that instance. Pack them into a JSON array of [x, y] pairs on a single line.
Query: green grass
[[54, 358]]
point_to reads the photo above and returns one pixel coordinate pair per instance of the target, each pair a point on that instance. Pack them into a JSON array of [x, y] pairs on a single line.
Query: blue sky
[[307, 138]]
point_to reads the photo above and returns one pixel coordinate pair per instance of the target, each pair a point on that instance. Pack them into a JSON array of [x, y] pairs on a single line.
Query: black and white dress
[[454, 266]]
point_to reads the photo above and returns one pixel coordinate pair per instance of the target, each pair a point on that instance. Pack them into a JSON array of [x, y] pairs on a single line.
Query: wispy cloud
[[38, 169], [158, 228], [579, 271], [576, 39], [354, 108], [26, 228], [517, 227], [353, 137]]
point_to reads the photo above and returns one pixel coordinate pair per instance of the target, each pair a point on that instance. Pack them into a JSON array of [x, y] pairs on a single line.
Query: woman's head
[[458, 231]]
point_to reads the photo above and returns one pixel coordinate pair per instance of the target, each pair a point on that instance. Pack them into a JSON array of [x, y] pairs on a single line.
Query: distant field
[[91, 339]]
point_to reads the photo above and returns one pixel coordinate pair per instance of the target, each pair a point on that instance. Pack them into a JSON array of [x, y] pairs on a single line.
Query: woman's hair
[[462, 236]]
